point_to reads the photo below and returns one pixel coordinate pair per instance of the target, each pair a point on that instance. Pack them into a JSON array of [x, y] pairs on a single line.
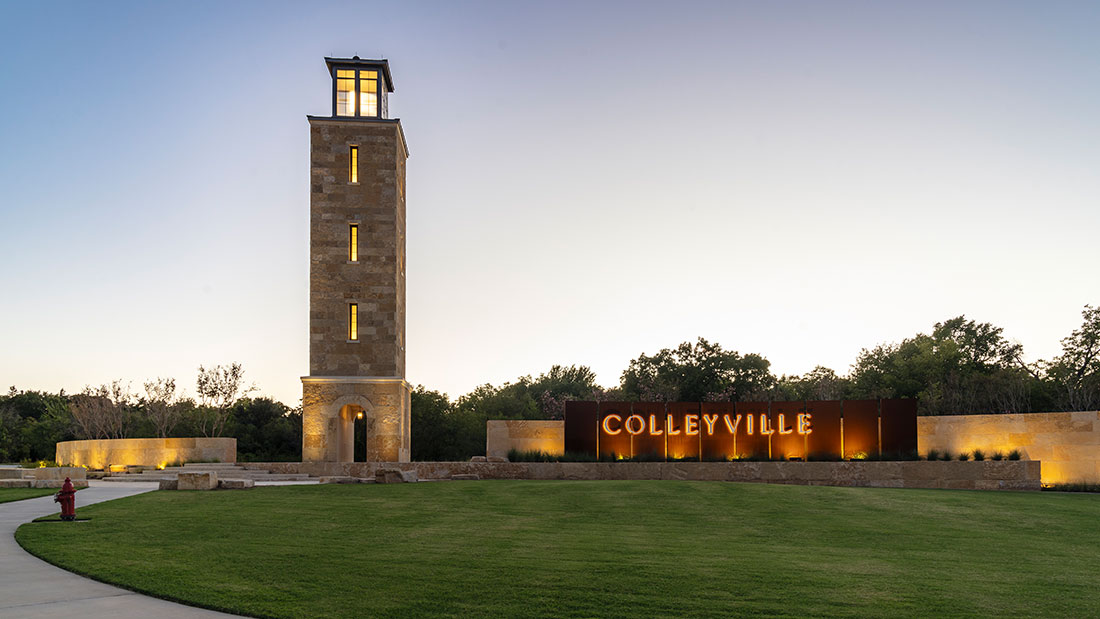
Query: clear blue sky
[[587, 182]]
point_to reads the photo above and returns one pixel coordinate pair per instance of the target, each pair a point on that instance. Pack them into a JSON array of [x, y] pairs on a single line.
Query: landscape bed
[[583, 549]]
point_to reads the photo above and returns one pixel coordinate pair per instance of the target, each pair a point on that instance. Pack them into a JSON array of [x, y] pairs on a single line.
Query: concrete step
[[261, 478], [197, 469], [233, 474]]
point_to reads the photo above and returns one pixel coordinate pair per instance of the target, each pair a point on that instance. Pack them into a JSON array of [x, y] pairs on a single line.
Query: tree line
[[32, 422], [960, 367]]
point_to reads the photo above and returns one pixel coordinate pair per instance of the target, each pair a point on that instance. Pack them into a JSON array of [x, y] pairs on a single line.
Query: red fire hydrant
[[67, 497]]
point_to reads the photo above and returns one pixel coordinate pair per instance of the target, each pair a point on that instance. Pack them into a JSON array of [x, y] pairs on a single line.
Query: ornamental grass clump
[[1014, 454], [933, 454], [998, 456], [979, 455], [963, 457], [515, 455], [946, 456]]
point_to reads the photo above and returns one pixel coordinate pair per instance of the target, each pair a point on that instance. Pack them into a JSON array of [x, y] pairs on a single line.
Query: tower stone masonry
[[356, 272]]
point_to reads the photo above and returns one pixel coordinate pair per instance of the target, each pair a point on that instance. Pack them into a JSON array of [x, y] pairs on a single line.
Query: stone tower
[[356, 272]]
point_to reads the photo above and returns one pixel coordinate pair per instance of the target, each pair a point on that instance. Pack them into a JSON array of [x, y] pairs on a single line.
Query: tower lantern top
[[360, 87]]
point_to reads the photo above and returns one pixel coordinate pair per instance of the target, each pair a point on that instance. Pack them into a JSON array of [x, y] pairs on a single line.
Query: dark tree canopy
[[960, 366], [1076, 372], [695, 373]]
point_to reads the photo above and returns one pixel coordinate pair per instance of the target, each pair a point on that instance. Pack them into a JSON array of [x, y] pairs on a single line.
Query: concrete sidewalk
[[30, 587]]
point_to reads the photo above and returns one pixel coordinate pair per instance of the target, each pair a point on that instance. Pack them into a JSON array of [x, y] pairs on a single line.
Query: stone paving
[[32, 588]]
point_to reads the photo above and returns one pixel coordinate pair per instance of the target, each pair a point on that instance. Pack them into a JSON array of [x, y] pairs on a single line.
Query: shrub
[[1014, 454], [933, 454], [515, 455], [979, 455], [38, 464], [946, 456], [964, 456], [998, 456]]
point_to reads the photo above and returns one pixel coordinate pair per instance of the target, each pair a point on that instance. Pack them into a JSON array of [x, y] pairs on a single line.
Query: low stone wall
[[100, 454], [56, 473], [46, 477], [988, 475], [1068, 444], [502, 436]]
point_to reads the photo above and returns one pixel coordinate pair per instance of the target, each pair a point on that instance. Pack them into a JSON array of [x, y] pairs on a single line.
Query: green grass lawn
[[18, 494], [587, 549]]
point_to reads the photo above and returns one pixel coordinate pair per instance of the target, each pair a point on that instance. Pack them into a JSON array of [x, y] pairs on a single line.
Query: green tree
[[31, 424], [266, 430], [560, 385], [509, 401], [160, 407], [962, 367], [696, 372], [820, 383], [443, 432], [1076, 372], [219, 388]]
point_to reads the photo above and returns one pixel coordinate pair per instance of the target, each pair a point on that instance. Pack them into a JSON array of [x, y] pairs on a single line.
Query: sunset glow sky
[[587, 181]]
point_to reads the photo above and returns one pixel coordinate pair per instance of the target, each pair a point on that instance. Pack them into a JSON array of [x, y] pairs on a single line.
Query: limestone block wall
[[328, 432], [501, 436], [99, 454], [57, 473], [988, 475], [1068, 444], [376, 281]]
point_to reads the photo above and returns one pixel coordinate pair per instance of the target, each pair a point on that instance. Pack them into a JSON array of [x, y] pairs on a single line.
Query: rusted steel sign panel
[[738, 430]]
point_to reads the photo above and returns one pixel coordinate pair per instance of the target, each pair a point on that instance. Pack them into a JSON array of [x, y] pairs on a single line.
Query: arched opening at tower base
[[351, 416]]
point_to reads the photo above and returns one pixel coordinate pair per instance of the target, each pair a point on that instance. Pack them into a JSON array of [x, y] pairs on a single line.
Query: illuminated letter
[[654, 430], [641, 426], [748, 424], [804, 424], [672, 431], [783, 429], [709, 420], [607, 428], [691, 425], [732, 427], [764, 429]]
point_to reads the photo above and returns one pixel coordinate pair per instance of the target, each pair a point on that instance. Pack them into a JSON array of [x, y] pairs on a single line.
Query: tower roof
[[356, 61]]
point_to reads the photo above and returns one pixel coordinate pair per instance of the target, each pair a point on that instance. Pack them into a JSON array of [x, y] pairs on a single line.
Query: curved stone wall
[[102, 453]]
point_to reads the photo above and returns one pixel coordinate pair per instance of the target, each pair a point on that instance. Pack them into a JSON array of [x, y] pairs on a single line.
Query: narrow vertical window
[[345, 92], [368, 93], [353, 242], [353, 321], [353, 168]]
